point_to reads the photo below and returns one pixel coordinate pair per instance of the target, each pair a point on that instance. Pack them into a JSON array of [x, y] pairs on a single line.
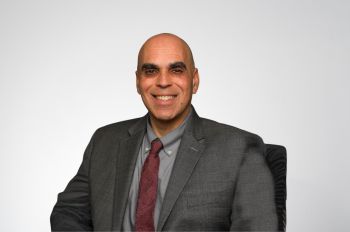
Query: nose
[[163, 80]]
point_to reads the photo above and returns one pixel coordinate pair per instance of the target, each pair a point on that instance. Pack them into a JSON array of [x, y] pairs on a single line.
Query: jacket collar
[[194, 125]]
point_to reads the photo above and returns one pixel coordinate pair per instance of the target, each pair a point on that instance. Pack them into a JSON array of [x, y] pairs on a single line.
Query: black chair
[[276, 157]]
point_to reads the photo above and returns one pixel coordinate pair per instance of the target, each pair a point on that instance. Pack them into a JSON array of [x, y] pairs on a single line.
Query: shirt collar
[[169, 140]]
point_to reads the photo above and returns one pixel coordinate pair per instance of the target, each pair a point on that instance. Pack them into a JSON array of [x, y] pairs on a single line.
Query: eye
[[177, 70], [150, 71]]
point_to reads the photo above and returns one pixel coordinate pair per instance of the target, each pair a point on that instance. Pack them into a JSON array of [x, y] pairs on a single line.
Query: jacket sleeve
[[72, 211], [254, 207]]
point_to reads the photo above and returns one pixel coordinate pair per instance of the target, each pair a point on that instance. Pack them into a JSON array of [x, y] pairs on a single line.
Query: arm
[[72, 210], [254, 207]]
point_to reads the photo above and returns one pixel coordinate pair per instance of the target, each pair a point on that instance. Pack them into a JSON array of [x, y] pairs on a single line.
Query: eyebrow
[[149, 66], [178, 64]]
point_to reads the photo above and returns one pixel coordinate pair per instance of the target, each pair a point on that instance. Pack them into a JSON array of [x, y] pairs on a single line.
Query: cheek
[[144, 86], [183, 82], [186, 87]]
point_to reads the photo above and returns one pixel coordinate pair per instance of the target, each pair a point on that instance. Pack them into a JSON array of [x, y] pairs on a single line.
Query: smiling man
[[171, 169]]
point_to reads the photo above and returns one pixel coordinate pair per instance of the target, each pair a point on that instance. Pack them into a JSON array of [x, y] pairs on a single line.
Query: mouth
[[164, 97]]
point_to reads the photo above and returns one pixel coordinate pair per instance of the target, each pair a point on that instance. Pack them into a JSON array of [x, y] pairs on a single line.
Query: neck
[[163, 127]]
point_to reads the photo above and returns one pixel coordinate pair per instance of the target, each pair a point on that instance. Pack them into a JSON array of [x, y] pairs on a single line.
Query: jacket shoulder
[[214, 130], [117, 129]]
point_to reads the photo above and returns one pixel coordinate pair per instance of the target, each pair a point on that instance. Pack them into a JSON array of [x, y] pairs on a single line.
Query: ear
[[195, 81], [137, 82]]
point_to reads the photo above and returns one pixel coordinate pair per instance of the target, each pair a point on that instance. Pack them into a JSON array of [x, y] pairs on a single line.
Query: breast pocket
[[214, 194]]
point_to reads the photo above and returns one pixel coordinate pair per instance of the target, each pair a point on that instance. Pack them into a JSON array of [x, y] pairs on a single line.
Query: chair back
[[276, 157]]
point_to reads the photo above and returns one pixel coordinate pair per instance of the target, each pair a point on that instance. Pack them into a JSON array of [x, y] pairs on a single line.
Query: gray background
[[277, 68]]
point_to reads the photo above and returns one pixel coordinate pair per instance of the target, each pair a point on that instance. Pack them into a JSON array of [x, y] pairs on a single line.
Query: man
[[171, 169]]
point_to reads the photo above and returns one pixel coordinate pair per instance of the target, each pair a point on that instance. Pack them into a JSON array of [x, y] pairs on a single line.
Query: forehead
[[163, 51]]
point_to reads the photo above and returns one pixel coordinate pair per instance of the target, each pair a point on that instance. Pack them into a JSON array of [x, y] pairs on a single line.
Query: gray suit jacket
[[220, 181]]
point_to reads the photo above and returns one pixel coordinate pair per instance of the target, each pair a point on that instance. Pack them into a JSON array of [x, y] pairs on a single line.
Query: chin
[[163, 116]]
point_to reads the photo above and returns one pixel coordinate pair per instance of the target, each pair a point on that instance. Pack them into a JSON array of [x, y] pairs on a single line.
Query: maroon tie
[[148, 189]]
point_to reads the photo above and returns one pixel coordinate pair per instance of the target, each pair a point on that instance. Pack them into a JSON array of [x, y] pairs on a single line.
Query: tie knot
[[156, 146]]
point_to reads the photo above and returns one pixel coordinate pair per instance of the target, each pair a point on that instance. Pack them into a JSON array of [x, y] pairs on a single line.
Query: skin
[[166, 68]]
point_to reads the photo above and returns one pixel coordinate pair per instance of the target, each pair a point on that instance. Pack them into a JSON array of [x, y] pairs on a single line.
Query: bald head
[[164, 42], [166, 79]]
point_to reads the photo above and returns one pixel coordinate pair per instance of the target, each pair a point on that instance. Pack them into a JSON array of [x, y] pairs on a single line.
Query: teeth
[[165, 98]]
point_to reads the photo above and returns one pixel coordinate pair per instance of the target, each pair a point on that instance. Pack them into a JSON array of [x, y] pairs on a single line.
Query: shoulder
[[117, 130], [230, 135], [214, 128]]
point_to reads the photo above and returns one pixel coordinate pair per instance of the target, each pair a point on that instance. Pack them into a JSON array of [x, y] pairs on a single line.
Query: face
[[166, 79]]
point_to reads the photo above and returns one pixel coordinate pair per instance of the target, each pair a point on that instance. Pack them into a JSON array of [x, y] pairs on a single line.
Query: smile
[[164, 97]]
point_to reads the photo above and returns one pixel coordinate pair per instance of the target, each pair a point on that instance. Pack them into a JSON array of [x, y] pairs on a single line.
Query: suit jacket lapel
[[190, 150], [126, 160]]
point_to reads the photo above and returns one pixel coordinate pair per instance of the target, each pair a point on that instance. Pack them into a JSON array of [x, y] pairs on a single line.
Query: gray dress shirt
[[167, 155]]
